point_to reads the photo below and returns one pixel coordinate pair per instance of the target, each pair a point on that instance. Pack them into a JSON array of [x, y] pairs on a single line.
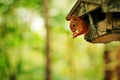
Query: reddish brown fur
[[78, 26]]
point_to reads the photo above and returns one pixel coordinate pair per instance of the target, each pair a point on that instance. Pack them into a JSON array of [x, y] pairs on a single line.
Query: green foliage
[[22, 50], [13, 40]]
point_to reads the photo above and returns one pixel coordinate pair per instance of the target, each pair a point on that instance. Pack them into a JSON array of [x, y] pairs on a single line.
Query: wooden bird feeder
[[103, 17]]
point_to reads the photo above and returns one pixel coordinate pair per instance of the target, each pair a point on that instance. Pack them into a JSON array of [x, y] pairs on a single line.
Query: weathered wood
[[93, 1], [79, 9], [101, 27], [107, 38], [109, 21], [90, 7], [73, 10], [104, 22], [111, 5]]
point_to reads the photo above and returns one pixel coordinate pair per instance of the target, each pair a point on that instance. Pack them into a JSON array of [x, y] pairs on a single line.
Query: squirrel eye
[[73, 24]]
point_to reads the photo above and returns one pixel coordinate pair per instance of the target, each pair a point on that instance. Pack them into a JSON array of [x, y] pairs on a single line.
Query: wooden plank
[[73, 10], [107, 38], [111, 5], [90, 7], [80, 10], [101, 27], [93, 1], [109, 21]]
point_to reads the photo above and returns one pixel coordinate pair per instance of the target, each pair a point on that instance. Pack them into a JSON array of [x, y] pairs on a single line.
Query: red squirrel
[[78, 26]]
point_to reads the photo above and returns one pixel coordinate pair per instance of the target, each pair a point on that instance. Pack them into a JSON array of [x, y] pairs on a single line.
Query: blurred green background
[[23, 44]]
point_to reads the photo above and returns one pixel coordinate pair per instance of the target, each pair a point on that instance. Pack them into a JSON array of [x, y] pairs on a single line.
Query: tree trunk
[[112, 63], [46, 11], [108, 72], [13, 76]]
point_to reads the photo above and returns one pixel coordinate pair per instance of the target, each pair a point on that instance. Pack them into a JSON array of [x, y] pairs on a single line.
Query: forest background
[[36, 44]]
